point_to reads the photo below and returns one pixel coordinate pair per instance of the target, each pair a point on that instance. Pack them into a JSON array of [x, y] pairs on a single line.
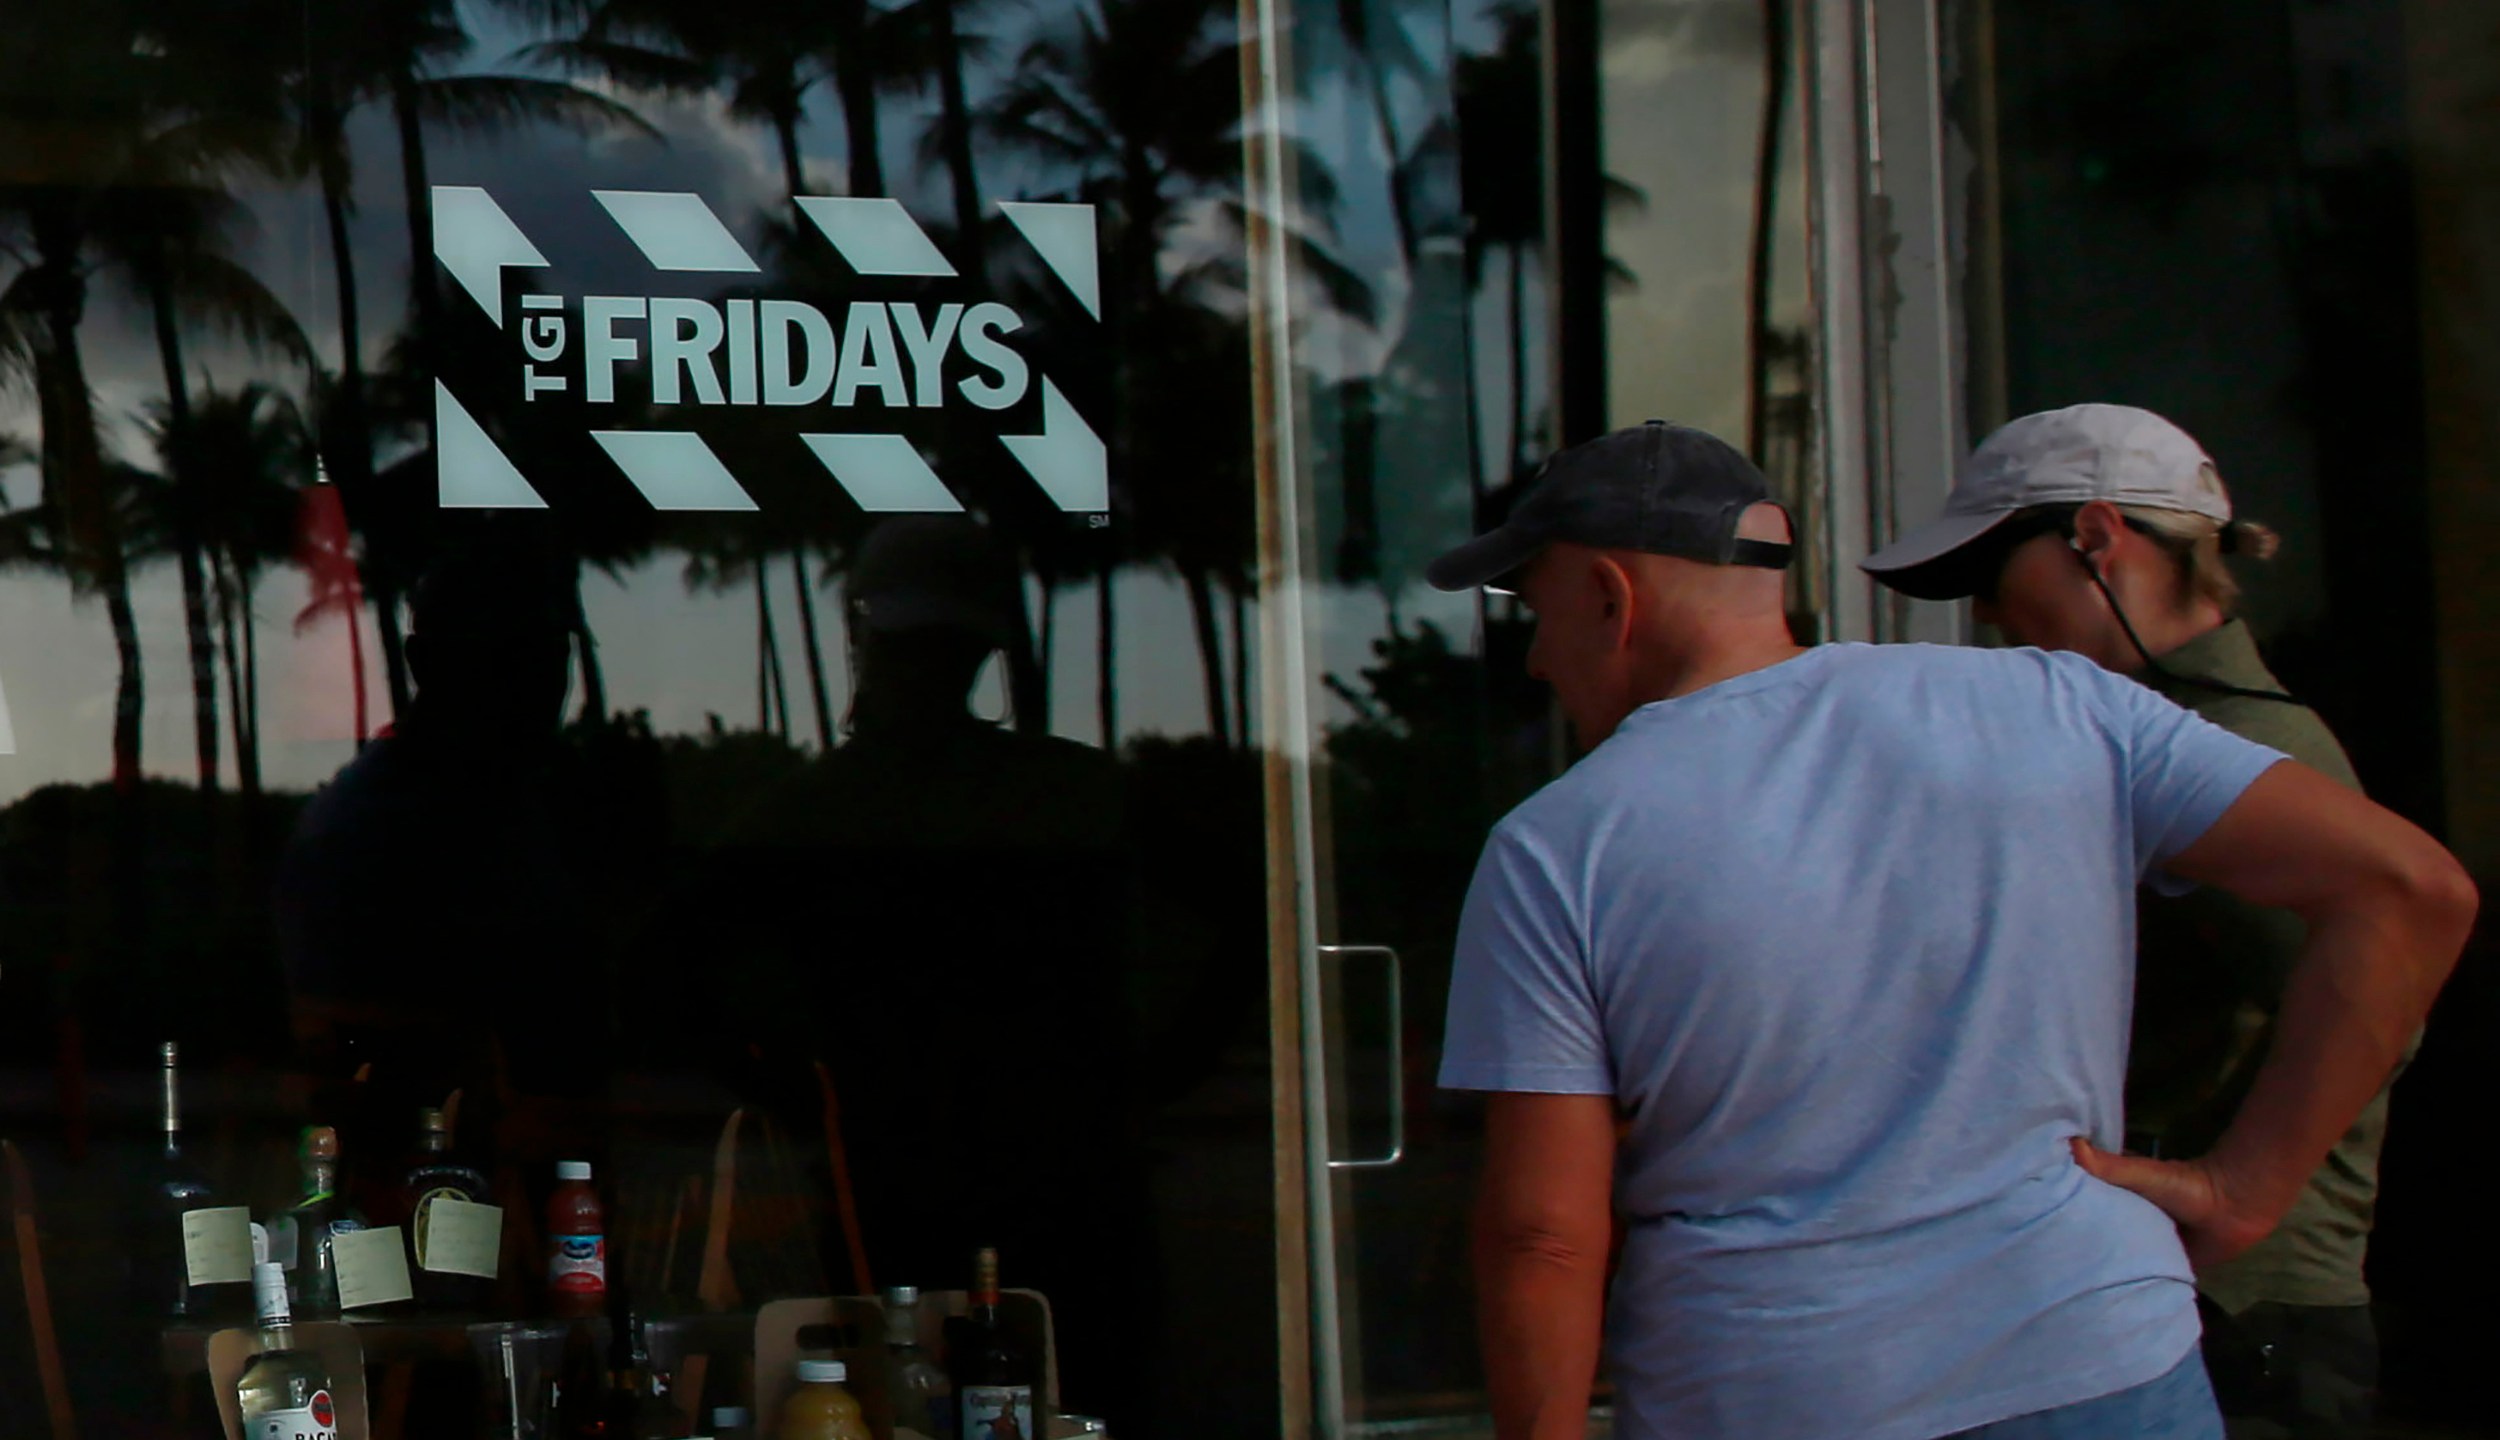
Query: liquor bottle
[[284, 1393], [994, 1377], [305, 1234], [437, 1174], [179, 1188], [922, 1398]]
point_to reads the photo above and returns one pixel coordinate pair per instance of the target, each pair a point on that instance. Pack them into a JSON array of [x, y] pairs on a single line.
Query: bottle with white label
[[444, 1282], [178, 1189], [284, 1393]]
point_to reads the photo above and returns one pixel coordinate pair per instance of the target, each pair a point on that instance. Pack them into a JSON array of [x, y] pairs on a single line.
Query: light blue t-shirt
[[1851, 942]]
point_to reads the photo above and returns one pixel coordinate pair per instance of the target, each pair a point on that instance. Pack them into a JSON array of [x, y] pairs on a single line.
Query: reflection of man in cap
[[954, 893], [430, 899], [930, 600], [1843, 938]]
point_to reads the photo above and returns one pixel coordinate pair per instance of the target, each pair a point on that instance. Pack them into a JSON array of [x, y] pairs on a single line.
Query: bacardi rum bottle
[[284, 1393]]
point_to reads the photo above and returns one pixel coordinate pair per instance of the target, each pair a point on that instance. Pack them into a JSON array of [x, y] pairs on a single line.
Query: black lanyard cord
[[2155, 667]]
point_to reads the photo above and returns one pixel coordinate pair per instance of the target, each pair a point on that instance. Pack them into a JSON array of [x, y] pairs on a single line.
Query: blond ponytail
[[2200, 544]]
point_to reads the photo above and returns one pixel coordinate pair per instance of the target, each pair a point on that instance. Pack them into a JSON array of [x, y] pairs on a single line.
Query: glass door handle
[[1396, 976]]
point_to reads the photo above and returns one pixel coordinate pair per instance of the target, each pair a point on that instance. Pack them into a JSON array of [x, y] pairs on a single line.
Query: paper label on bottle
[[317, 1420], [372, 1266], [457, 1237], [998, 1412], [577, 1265], [217, 1245]]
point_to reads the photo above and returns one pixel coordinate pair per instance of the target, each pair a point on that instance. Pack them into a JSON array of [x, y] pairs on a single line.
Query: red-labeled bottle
[[577, 1243]]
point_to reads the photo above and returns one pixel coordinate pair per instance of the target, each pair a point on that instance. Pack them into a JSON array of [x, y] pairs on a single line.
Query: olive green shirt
[[2210, 972]]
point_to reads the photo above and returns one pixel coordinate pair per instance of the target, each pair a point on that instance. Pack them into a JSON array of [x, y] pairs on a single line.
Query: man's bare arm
[[1544, 1219], [2388, 911]]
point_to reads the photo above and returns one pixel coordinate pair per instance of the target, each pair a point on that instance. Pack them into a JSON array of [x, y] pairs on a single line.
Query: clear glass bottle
[[923, 1398], [284, 1393]]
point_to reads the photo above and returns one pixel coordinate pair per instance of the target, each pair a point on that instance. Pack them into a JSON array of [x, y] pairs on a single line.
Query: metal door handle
[[1397, 1053]]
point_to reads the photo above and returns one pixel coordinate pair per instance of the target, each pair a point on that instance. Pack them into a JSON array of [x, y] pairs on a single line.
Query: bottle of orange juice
[[822, 1408]]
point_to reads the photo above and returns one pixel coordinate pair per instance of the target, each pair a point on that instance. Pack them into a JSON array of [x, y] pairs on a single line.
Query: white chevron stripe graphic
[[674, 469], [884, 473], [1067, 459], [1063, 235], [676, 231], [876, 236], [475, 241], [471, 472]]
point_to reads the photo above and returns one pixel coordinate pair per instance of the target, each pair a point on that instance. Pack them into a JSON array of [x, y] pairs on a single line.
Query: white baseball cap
[[2072, 456]]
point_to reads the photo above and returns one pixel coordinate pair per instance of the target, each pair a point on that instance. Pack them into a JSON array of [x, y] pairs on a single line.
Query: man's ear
[[2097, 527], [1614, 585]]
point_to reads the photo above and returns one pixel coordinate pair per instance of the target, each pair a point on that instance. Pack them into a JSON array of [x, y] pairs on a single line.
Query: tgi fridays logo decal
[[832, 371]]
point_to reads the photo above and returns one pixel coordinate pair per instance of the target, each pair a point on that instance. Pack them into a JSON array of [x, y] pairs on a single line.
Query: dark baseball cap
[[1659, 488]]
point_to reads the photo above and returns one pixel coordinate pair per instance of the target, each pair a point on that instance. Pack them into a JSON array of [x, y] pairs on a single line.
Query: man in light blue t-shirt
[[1816, 973]]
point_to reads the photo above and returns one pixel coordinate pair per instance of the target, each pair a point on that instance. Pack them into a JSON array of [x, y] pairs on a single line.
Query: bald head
[[1618, 629]]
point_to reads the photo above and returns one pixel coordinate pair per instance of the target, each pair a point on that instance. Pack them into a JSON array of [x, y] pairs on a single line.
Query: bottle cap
[[823, 1372], [321, 1143], [269, 1291], [430, 1120], [729, 1417], [902, 1295], [572, 1169]]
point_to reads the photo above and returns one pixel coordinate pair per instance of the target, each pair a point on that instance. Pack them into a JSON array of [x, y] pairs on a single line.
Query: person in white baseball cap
[[2105, 530], [2128, 491]]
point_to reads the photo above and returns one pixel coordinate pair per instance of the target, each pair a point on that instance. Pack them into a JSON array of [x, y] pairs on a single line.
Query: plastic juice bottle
[[577, 1243], [822, 1409]]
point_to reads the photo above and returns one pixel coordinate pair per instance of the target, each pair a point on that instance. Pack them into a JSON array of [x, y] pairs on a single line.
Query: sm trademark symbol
[[809, 373]]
